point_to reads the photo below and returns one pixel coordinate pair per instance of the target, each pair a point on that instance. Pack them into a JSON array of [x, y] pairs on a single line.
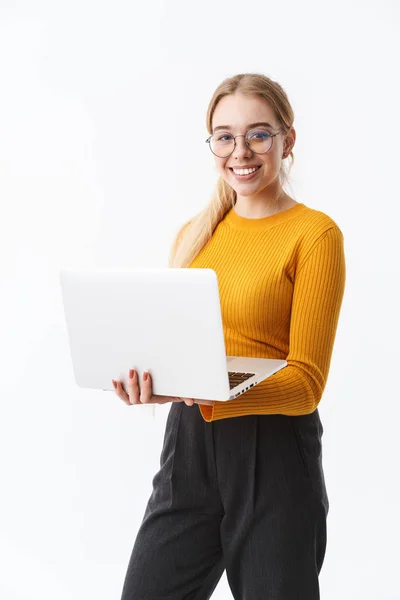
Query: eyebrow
[[261, 123]]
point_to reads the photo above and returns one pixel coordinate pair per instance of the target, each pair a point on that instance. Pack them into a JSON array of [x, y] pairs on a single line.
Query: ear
[[290, 140]]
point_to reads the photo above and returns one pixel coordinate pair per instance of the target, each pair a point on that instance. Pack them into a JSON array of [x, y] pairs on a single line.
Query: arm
[[317, 298]]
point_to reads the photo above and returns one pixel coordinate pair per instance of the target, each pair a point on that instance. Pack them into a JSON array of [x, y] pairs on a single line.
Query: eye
[[225, 135], [265, 135]]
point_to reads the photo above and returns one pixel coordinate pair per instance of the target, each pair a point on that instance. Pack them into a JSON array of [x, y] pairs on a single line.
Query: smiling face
[[237, 113]]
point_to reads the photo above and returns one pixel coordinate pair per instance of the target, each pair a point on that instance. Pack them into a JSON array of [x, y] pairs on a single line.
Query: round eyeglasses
[[222, 144]]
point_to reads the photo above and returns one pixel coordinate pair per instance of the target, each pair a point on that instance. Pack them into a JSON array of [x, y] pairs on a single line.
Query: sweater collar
[[237, 222]]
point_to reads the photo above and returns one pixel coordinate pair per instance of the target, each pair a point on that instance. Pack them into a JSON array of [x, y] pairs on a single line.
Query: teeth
[[244, 171]]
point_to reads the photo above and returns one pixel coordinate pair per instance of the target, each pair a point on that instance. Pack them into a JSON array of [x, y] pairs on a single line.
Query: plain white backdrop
[[97, 102]]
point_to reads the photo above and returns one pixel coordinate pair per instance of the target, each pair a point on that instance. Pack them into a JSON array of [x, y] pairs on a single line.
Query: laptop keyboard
[[236, 378]]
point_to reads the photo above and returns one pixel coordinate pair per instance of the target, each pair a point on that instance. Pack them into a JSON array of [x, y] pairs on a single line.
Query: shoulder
[[314, 226], [317, 230], [317, 223]]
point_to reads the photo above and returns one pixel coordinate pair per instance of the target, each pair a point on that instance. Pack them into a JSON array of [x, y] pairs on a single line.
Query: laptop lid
[[164, 320]]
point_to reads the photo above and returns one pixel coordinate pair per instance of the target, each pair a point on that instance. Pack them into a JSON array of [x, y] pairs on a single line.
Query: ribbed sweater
[[281, 282]]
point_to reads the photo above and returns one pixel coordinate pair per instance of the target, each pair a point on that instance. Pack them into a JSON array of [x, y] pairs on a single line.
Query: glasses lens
[[222, 144], [259, 141]]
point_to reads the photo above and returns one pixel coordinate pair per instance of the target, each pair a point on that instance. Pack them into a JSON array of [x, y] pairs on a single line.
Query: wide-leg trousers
[[246, 494]]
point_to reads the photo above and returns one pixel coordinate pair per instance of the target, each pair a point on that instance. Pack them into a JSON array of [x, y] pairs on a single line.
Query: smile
[[245, 174]]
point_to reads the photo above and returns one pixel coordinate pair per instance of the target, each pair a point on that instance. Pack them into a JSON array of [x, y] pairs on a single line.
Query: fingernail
[[114, 383], [145, 376], [130, 373]]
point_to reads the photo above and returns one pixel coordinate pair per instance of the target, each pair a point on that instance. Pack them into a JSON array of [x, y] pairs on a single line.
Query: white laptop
[[163, 320]]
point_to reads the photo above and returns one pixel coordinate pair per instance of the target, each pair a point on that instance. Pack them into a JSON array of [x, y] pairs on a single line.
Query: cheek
[[221, 168]]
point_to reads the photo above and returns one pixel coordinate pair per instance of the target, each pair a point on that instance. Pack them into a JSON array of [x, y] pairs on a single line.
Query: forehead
[[237, 111]]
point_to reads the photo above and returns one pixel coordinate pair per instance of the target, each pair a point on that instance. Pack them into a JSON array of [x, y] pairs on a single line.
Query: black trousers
[[246, 494]]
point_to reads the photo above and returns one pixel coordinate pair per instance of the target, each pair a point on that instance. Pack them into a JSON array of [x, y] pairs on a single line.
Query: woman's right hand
[[134, 395]]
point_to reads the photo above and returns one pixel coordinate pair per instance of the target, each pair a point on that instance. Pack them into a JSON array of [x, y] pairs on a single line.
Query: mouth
[[241, 168], [245, 177]]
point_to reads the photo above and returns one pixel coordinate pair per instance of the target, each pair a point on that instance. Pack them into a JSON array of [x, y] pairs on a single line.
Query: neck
[[256, 207]]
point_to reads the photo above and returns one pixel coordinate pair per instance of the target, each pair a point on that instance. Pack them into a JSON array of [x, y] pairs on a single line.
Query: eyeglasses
[[259, 141]]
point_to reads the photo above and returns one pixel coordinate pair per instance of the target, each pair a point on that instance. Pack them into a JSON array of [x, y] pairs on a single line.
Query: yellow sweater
[[281, 282]]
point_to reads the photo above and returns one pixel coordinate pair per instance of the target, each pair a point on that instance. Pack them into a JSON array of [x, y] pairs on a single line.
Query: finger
[[146, 389], [146, 392], [133, 387], [188, 401], [119, 390]]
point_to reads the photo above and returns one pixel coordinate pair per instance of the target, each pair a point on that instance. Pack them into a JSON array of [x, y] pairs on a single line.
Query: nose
[[241, 148]]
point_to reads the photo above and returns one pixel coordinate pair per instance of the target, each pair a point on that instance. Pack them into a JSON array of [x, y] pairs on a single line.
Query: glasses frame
[[208, 141]]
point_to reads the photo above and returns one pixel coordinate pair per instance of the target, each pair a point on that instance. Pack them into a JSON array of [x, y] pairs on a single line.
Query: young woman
[[241, 484]]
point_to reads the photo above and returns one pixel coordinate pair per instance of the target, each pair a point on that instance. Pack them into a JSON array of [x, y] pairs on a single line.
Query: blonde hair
[[196, 232]]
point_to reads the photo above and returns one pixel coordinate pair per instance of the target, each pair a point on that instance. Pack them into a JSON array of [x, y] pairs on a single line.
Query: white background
[[93, 96]]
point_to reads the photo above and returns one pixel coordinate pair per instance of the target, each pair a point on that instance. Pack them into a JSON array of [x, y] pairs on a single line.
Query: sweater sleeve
[[318, 291]]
